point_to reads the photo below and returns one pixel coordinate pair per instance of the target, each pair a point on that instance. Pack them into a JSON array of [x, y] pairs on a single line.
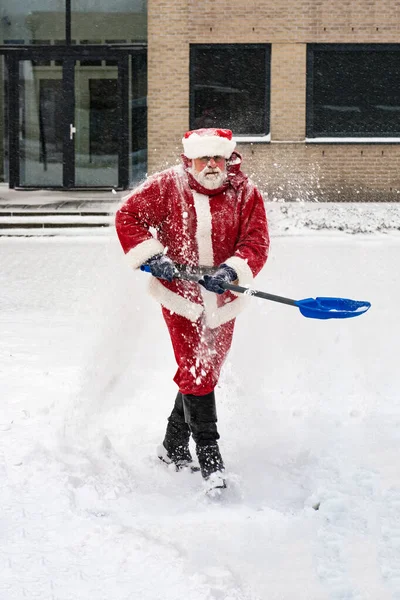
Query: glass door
[[70, 124], [96, 123], [40, 115]]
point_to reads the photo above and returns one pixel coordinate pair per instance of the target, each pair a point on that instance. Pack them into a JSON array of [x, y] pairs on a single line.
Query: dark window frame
[[267, 85], [8, 45], [68, 55], [311, 131]]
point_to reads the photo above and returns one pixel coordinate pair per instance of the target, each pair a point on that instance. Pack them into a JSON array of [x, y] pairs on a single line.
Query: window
[[230, 87], [353, 90], [34, 22], [24, 22], [99, 20]]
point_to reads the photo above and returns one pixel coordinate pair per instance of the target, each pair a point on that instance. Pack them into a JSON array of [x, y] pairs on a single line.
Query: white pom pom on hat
[[208, 142]]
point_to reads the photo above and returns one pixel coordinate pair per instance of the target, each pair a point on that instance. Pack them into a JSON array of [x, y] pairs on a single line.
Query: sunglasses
[[216, 159]]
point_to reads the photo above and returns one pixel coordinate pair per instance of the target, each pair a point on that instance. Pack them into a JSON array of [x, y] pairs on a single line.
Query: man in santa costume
[[203, 216]]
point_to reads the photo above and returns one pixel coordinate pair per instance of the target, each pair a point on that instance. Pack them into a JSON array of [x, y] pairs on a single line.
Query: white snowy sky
[[309, 412]]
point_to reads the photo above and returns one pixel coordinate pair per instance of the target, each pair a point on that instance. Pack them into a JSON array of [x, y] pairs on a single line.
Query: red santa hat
[[208, 142]]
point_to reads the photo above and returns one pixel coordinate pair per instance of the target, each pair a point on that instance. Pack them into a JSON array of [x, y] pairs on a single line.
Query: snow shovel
[[313, 308]]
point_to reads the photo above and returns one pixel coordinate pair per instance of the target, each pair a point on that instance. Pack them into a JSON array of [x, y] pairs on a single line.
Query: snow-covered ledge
[[294, 218], [353, 140], [252, 138]]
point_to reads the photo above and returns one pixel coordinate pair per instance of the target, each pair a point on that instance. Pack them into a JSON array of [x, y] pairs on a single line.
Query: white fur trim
[[203, 231], [210, 306], [142, 252], [196, 146], [174, 302], [190, 310], [244, 273], [217, 316]]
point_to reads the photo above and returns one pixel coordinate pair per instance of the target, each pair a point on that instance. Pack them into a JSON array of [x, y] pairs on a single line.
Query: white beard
[[209, 178]]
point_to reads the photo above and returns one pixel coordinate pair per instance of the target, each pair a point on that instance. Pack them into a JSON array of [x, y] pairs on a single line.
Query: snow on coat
[[171, 213]]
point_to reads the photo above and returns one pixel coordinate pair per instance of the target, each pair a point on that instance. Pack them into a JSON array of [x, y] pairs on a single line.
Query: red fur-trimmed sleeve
[[144, 209], [252, 247]]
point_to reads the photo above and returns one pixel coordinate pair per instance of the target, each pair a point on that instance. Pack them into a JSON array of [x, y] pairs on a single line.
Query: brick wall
[[288, 92], [324, 172], [168, 80], [287, 167]]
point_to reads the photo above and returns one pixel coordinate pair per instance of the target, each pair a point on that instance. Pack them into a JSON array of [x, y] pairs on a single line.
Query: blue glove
[[162, 266], [224, 274]]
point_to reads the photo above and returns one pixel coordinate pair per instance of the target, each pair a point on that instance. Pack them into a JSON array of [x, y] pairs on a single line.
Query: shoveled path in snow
[[309, 413]]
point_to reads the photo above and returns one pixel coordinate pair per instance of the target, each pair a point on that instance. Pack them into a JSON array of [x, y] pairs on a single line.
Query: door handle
[[72, 131]]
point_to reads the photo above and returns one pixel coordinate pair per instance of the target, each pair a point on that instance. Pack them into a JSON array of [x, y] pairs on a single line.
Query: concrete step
[[56, 220], [56, 231], [59, 222], [48, 213]]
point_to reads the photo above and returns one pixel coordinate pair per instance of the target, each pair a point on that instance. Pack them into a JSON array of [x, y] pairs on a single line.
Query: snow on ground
[[309, 415]]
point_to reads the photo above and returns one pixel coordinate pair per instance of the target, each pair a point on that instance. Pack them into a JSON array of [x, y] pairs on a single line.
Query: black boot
[[175, 448], [201, 416]]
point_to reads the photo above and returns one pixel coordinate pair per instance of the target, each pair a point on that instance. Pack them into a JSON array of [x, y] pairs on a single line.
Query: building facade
[[73, 107], [100, 93]]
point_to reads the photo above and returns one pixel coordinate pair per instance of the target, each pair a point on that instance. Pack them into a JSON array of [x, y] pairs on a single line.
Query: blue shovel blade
[[332, 308]]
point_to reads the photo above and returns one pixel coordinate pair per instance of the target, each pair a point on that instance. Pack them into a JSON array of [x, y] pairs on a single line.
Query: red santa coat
[[195, 226]]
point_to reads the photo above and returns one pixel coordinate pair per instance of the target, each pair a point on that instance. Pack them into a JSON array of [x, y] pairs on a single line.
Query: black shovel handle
[[250, 292], [195, 274]]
